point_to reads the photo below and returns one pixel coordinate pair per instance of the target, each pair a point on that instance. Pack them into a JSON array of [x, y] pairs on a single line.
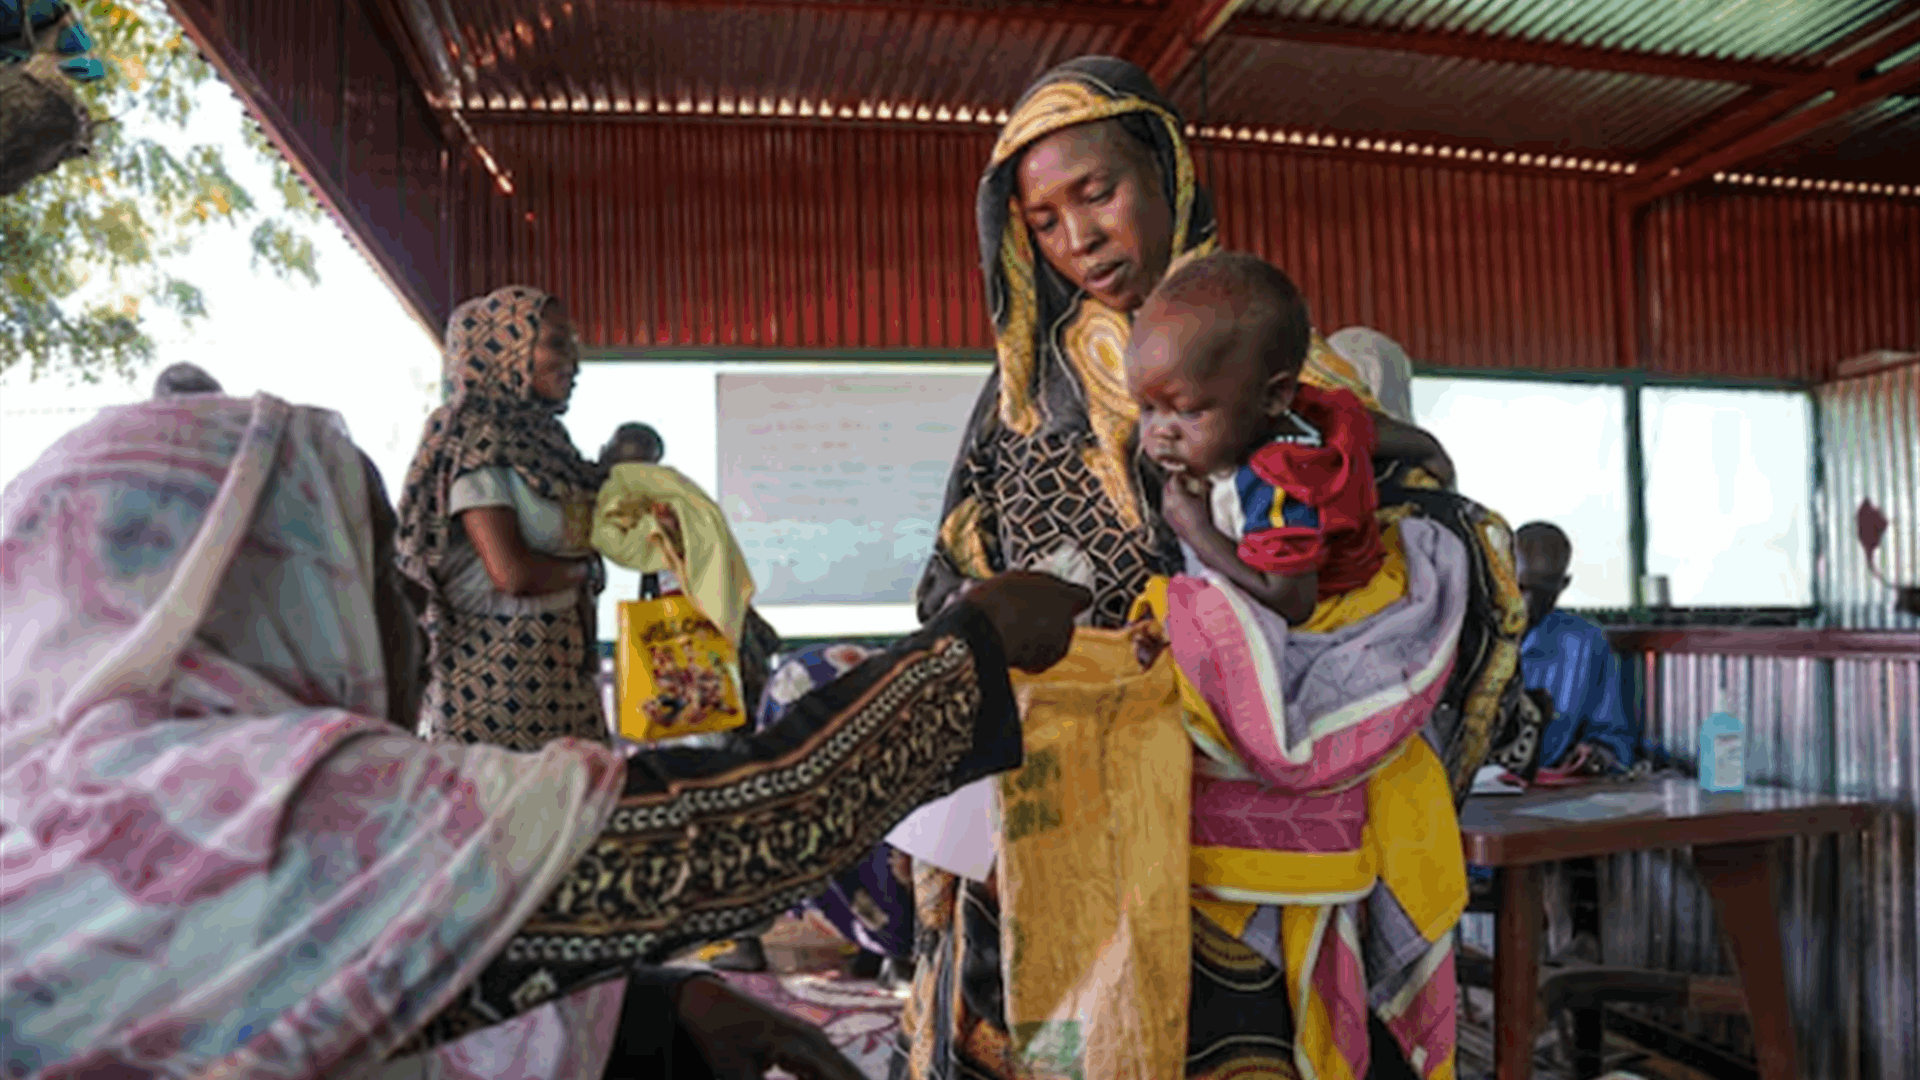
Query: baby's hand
[[1184, 507], [1148, 642]]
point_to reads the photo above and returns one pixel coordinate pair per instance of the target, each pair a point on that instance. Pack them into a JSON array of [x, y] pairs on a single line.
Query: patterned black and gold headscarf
[[490, 417], [1059, 350]]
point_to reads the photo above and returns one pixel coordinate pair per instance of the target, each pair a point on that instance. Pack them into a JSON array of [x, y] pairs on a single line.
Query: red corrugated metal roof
[[1614, 78]]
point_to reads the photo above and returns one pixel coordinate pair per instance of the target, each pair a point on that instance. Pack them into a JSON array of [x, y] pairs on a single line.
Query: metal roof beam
[[1012, 10], [1900, 79], [1516, 51], [1842, 77], [1178, 36]]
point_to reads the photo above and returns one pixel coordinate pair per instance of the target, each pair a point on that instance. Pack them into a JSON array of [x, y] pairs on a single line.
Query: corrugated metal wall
[[1779, 285], [1848, 904], [1869, 449], [1466, 269], [748, 235], [334, 84], [755, 234]]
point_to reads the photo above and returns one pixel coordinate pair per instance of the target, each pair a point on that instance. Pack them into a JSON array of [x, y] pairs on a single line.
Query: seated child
[[1269, 481]]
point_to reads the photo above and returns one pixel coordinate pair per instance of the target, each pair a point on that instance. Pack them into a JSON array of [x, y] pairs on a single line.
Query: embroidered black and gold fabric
[[706, 842]]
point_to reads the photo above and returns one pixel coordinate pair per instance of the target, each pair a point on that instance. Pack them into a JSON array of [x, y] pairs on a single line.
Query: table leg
[[1516, 972], [1741, 878]]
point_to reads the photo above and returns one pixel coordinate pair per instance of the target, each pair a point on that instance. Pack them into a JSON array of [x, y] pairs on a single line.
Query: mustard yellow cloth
[[701, 552], [1092, 875]]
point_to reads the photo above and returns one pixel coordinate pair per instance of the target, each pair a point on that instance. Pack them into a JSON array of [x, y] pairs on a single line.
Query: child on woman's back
[[1270, 481]]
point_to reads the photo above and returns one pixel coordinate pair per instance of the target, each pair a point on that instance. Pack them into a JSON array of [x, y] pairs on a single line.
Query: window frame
[[1632, 381], [1635, 382]]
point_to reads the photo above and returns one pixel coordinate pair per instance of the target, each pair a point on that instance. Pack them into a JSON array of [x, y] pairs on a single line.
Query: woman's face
[[1092, 196], [556, 354]]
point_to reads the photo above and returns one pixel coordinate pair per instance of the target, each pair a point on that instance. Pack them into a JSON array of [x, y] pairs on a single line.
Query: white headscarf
[[1383, 364]]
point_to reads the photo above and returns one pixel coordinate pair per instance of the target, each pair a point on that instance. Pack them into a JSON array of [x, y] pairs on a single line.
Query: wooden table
[[1733, 837]]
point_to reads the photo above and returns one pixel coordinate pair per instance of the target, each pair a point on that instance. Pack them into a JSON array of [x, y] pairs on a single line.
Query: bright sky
[[347, 344]]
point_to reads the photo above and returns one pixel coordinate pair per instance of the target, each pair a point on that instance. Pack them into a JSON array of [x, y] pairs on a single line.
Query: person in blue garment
[[1569, 658]]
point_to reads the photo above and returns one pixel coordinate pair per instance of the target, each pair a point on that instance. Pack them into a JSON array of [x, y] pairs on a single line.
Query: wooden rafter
[[1848, 77], [1178, 36], [1899, 80]]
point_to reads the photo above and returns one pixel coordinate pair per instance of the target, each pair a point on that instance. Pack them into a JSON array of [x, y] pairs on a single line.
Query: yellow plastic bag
[[674, 672], [1095, 923]]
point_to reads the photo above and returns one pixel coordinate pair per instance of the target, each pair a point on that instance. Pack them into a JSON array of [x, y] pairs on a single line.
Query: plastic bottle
[[1723, 747]]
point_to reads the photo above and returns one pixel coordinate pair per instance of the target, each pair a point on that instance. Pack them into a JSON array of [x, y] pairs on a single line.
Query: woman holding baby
[[1088, 201]]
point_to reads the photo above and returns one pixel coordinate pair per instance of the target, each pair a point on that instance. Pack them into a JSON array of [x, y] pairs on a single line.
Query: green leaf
[[75, 243]]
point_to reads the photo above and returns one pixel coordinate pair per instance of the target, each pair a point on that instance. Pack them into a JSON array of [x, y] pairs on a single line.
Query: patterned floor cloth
[[859, 1016]]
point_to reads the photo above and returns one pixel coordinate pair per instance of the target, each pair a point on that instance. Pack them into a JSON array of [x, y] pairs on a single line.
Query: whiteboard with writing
[[834, 483]]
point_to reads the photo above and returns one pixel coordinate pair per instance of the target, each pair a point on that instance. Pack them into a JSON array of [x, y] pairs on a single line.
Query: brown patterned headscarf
[[491, 417]]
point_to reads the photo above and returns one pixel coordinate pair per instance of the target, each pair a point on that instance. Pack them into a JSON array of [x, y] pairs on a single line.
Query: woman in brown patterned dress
[[494, 526]]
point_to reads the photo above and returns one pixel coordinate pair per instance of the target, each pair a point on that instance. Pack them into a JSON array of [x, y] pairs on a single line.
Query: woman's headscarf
[[1382, 364], [1060, 351], [491, 417], [220, 858]]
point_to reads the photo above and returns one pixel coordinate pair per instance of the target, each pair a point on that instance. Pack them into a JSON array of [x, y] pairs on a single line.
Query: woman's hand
[[1034, 614], [742, 1038], [1183, 503]]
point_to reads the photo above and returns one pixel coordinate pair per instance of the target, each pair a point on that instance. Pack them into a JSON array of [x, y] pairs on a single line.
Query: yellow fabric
[[674, 673], [1305, 931], [1226, 914], [1416, 838], [1412, 844], [1093, 897], [1388, 584], [704, 555], [1283, 876], [1328, 370]]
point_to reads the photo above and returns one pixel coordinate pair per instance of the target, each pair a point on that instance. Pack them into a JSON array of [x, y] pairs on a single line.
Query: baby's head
[[1214, 360], [633, 442]]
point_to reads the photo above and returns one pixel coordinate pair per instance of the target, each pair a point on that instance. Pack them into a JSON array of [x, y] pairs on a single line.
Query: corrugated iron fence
[[1869, 449], [1847, 903], [1850, 905]]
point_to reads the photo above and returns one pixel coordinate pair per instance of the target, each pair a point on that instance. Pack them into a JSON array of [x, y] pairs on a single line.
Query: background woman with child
[[1089, 198]]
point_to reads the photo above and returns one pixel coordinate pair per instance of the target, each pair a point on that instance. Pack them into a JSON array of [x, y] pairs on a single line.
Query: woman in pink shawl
[[222, 858]]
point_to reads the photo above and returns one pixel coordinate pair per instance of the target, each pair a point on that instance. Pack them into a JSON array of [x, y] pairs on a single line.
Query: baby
[[1269, 481]]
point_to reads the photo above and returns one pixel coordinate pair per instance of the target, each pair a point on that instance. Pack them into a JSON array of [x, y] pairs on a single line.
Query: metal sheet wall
[[1869, 449], [1782, 286], [749, 235], [1465, 268], [1848, 904], [328, 78], [744, 235], [757, 234]]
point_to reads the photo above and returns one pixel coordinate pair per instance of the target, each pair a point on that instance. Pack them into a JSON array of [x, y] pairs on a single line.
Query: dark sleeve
[[706, 842], [967, 543], [650, 1041]]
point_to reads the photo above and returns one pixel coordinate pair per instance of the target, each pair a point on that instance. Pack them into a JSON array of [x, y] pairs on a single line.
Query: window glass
[[717, 420], [1729, 486], [1535, 450]]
